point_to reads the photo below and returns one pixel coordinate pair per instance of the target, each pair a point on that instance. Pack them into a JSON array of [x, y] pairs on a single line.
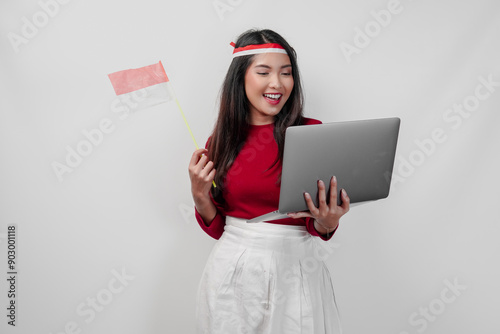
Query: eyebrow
[[269, 67]]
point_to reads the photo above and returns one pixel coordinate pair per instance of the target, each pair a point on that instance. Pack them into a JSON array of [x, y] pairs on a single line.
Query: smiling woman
[[251, 49], [263, 277]]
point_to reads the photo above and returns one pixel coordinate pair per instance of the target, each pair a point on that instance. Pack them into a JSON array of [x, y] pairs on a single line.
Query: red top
[[250, 188]]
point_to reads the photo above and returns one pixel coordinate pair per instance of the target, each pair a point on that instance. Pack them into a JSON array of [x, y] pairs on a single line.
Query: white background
[[127, 206]]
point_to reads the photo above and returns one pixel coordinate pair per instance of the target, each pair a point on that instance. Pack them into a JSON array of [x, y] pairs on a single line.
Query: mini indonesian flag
[[145, 87], [142, 87]]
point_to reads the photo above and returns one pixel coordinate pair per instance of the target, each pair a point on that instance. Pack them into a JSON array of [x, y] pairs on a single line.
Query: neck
[[261, 120]]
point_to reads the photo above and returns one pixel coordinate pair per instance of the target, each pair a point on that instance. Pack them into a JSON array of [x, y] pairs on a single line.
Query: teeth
[[273, 96]]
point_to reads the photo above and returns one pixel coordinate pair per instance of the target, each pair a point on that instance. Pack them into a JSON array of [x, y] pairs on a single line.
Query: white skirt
[[267, 278]]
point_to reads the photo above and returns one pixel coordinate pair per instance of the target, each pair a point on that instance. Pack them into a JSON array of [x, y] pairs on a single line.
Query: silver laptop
[[359, 153]]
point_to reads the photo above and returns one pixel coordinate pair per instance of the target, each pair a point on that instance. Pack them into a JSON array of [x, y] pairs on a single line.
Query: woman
[[264, 277]]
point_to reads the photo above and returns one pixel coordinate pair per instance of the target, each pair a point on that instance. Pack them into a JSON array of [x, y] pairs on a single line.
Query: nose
[[275, 81]]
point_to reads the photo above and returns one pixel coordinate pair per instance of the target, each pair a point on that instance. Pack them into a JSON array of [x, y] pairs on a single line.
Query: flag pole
[[171, 90]]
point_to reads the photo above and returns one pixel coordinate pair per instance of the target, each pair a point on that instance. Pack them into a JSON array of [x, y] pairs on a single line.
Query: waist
[[291, 239], [267, 228]]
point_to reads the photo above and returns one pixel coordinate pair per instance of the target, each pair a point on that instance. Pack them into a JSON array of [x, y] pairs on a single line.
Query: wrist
[[324, 230], [202, 201], [201, 197]]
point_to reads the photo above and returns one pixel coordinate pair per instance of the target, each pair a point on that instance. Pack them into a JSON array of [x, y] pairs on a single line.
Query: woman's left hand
[[327, 215]]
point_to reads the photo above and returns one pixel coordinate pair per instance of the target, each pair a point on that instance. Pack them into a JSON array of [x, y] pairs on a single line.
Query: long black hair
[[231, 128]]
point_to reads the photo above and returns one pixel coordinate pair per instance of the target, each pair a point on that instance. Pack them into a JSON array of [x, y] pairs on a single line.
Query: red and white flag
[[145, 87], [142, 87]]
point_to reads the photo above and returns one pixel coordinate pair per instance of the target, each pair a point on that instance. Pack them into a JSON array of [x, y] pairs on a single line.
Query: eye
[[262, 73], [286, 73]]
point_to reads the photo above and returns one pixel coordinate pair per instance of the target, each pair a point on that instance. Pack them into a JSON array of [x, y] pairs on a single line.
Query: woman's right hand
[[201, 173]]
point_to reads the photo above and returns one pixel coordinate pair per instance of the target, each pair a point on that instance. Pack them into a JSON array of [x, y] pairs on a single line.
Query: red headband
[[257, 48]]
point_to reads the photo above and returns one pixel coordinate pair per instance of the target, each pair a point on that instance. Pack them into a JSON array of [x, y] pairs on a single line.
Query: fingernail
[[306, 194], [334, 178]]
